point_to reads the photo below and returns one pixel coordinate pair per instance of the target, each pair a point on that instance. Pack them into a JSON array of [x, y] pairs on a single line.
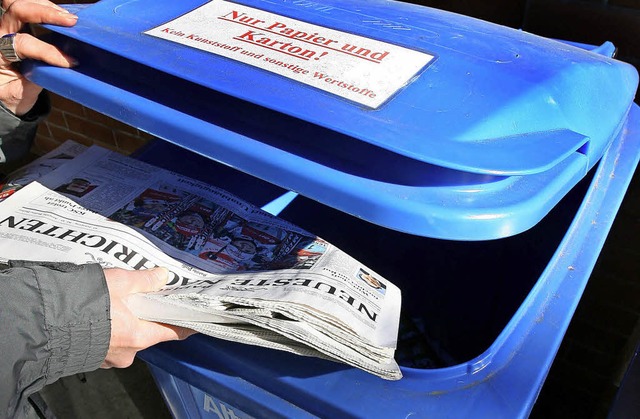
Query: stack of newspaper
[[237, 272]]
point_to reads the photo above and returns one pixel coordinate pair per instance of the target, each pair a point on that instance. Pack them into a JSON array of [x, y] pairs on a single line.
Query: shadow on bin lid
[[419, 120]]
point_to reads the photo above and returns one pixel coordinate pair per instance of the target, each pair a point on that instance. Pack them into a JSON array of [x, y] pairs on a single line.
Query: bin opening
[[457, 295]]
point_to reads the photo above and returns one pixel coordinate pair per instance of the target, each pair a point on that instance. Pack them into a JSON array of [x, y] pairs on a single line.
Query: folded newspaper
[[237, 272], [39, 167]]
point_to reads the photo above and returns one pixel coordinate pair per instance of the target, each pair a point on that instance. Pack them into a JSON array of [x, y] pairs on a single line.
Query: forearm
[[54, 322]]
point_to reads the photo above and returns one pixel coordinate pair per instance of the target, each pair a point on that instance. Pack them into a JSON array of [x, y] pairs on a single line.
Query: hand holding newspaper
[[237, 272]]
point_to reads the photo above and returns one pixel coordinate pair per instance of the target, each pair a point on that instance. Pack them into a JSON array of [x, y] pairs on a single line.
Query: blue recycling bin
[[477, 167]]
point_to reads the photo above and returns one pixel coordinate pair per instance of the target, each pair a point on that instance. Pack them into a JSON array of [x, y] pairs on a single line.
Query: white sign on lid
[[364, 70]]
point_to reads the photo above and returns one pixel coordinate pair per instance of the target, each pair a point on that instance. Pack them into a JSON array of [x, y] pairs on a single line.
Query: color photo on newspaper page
[[223, 239]]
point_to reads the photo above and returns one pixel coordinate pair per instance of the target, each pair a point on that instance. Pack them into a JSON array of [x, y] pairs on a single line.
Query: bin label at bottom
[[212, 407]]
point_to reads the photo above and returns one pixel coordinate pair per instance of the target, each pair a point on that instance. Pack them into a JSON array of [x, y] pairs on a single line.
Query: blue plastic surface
[[503, 381], [481, 144]]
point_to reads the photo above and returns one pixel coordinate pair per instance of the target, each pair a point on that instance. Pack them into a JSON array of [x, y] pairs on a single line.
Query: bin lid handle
[[522, 154]]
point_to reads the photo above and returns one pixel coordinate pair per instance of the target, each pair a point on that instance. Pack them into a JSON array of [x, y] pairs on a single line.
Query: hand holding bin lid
[[418, 120]]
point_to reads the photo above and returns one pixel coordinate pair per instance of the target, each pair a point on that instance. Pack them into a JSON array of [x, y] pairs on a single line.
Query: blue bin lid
[[474, 132]]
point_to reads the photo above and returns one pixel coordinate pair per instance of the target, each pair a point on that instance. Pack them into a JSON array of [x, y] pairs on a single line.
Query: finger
[[160, 332], [148, 280], [28, 46], [42, 2], [22, 12]]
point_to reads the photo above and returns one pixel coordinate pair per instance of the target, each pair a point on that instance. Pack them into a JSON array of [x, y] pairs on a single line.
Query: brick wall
[[69, 120]]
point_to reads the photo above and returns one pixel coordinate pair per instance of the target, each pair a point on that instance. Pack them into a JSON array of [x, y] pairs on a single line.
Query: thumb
[[150, 280], [28, 46]]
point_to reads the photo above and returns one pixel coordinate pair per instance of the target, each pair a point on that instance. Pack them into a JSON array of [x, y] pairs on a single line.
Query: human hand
[[129, 334], [16, 92]]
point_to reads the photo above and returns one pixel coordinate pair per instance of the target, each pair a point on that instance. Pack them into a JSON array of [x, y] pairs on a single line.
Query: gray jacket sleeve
[[54, 322], [17, 133]]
